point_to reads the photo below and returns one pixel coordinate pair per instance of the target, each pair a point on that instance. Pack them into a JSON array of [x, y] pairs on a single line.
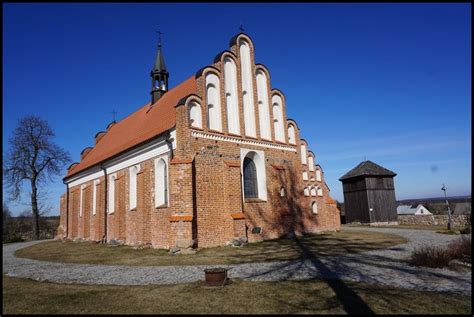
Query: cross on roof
[[159, 36], [241, 27], [114, 113]]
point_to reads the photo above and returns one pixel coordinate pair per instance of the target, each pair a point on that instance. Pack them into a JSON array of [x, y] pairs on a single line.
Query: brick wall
[[205, 187]]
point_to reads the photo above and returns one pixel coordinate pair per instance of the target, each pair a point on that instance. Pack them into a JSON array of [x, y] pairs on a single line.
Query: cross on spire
[[241, 27], [114, 113], [159, 37]]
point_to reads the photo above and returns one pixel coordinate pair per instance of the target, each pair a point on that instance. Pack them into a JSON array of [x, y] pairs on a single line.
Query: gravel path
[[382, 267]]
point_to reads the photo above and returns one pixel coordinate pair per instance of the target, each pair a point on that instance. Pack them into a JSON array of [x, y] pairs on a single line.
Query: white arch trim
[[161, 181], [258, 157]]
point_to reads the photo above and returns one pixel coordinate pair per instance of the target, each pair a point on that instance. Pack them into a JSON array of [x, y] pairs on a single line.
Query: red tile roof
[[138, 127]]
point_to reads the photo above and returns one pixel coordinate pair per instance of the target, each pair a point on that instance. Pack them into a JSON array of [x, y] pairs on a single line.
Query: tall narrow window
[[133, 186], [214, 121], [94, 196], [161, 183], [291, 134], [282, 192], [195, 115], [314, 207], [111, 198], [263, 110], [305, 176], [232, 105], [313, 191], [250, 179], [278, 118], [320, 191], [318, 175], [81, 197], [306, 191], [247, 89], [303, 154], [311, 163]]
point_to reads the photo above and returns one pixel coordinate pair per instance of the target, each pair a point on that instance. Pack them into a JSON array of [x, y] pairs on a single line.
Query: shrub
[[13, 239], [435, 256], [430, 256], [460, 249]]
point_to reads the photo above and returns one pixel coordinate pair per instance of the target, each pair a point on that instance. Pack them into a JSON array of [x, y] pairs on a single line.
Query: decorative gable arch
[[193, 104]]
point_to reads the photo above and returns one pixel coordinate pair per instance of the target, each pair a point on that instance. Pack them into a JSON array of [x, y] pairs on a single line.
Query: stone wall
[[434, 220]]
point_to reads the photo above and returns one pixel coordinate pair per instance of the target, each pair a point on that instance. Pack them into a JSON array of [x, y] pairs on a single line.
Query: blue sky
[[389, 82]]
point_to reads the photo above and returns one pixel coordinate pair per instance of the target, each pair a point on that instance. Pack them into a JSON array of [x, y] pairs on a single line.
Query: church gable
[[237, 98]]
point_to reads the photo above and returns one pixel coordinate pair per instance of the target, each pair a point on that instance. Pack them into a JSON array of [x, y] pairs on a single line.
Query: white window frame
[[313, 205], [320, 191], [318, 175], [94, 196], [306, 191], [133, 195], [311, 163], [305, 176], [111, 194], [258, 157], [165, 201], [195, 114], [81, 197], [303, 154]]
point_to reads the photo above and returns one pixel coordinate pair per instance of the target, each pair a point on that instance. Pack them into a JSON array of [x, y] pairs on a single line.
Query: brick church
[[211, 160]]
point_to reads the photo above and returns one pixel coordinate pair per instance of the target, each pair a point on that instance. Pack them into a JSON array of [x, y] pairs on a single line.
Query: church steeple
[[159, 75]]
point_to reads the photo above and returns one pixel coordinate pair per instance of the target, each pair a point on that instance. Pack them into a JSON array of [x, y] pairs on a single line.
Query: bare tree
[[32, 157]]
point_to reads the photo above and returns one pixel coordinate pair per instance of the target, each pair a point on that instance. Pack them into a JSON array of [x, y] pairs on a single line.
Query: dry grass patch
[[22, 296], [439, 256], [332, 243]]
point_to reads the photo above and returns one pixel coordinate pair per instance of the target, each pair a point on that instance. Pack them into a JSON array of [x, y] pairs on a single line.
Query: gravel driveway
[[382, 267]]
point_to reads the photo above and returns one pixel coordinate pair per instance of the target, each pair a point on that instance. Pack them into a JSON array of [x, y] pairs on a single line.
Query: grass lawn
[[332, 243], [23, 296]]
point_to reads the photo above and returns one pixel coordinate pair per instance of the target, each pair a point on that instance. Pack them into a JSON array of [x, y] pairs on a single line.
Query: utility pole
[[447, 205]]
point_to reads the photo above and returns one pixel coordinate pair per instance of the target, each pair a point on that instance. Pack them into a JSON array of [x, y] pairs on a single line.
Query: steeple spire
[[159, 74]]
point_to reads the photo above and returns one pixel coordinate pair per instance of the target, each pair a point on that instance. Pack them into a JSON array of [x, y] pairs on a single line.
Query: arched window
[[263, 110], [313, 191], [318, 175], [305, 176], [303, 154], [314, 207], [111, 198], [214, 121], [230, 76], [306, 191], [291, 134], [320, 191], [94, 196], [133, 186], [81, 197], [250, 179], [278, 118], [247, 89], [253, 174], [282, 192], [161, 183], [195, 115], [311, 163]]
